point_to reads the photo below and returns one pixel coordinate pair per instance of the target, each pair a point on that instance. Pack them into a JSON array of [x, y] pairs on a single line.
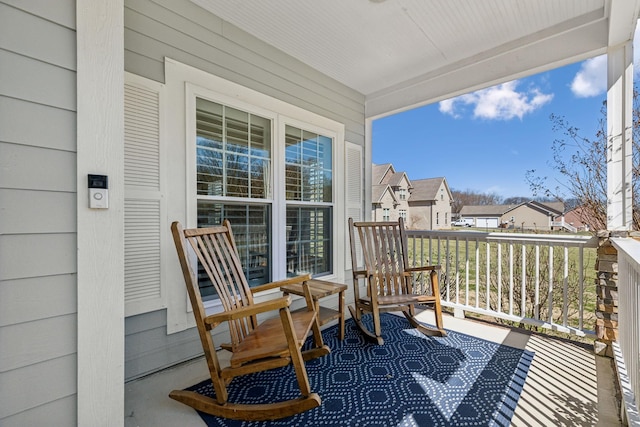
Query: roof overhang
[[401, 54]]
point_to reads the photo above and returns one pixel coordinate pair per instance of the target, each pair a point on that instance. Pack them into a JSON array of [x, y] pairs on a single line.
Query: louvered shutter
[[354, 181], [144, 209]]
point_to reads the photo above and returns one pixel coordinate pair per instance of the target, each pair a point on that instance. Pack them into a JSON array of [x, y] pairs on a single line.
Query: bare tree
[[582, 162], [472, 198]]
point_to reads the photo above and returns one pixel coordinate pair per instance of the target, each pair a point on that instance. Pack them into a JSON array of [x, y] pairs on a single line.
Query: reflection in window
[[308, 163], [233, 152], [309, 240]]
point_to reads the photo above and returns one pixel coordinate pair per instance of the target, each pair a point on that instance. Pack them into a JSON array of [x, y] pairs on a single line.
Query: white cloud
[[501, 102], [591, 80]]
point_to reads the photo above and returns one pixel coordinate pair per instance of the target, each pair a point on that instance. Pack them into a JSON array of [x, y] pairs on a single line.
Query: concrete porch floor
[[567, 385]]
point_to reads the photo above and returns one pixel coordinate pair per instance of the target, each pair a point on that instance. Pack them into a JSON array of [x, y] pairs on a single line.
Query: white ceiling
[[403, 53]]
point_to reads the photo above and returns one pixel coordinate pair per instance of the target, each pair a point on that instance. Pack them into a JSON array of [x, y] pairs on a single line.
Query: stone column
[[606, 327]]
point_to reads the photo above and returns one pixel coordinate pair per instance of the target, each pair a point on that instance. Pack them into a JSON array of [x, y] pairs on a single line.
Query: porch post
[[619, 134], [100, 232]]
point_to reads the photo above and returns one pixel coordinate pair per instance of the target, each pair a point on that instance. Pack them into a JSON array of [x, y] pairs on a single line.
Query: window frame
[[280, 114]]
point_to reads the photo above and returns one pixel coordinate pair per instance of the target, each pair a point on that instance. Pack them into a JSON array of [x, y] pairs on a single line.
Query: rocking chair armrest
[[422, 268], [279, 283], [250, 310], [361, 274]]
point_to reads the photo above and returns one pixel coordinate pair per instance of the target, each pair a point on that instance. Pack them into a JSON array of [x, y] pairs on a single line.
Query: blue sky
[[487, 140]]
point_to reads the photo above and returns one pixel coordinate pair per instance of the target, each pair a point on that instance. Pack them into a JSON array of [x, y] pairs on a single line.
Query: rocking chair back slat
[[218, 256]]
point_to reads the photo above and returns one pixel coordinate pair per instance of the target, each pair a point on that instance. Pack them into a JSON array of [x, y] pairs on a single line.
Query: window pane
[[233, 152], [309, 241], [250, 225], [309, 166]]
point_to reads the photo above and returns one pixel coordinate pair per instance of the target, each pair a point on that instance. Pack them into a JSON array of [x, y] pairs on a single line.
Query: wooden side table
[[320, 289]]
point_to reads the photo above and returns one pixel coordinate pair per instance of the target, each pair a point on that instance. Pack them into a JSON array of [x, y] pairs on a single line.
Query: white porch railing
[[538, 279], [627, 348]]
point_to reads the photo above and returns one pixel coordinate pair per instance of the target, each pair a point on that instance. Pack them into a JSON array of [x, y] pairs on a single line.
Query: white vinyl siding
[[38, 282], [144, 208]]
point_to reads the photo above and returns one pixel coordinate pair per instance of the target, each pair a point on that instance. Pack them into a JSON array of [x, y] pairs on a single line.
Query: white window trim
[[183, 83]]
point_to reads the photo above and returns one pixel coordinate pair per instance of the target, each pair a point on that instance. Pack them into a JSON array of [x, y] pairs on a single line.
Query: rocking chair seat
[[267, 340]]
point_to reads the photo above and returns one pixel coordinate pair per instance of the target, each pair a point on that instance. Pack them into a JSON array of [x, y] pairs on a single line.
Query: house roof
[[484, 210], [552, 208], [402, 54], [378, 192], [378, 172], [427, 189]]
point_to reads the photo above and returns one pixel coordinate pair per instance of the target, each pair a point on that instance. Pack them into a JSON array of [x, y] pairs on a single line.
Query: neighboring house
[[430, 205], [198, 110], [425, 204], [484, 216], [576, 219], [532, 215], [390, 193], [529, 215]]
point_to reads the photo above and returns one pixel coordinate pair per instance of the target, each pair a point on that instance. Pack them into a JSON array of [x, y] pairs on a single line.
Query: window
[[437, 218], [402, 194], [385, 214], [403, 213], [234, 164], [233, 161], [446, 218], [309, 193], [237, 166]]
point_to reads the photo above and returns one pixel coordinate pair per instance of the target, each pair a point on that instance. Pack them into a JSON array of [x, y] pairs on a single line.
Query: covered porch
[[382, 75]]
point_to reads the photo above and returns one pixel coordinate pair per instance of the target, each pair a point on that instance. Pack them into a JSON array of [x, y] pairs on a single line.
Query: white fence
[[537, 279]]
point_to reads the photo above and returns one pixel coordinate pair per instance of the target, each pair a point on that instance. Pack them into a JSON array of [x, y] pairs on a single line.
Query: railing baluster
[[477, 251], [499, 277], [581, 287], [565, 288], [466, 263], [536, 309], [523, 288], [488, 281], [457, 271], [511, 278], [550, 295]]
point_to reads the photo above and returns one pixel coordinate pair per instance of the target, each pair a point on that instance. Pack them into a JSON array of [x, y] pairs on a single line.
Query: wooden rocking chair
[[274, 343], [389, 279]]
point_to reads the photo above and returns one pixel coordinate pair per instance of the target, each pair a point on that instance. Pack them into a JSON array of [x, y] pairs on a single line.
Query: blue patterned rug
[[411, 380]]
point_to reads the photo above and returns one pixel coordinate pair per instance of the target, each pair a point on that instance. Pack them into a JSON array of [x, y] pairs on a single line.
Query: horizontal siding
[[15, 22], [36, 81], [34, 168], [180, 30], [37, 212], [30, 387], [37, 255], [48, 338], [37, 298], [38, 206], [62, 12], [63, 411], [148, 348], [37, 125]]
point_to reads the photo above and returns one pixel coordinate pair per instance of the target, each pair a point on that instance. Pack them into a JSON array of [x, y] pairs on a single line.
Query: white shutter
[[144, 207], [354, 182]]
